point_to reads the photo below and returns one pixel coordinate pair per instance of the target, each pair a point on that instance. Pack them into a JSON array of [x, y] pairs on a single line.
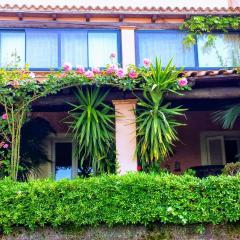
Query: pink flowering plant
[[5, 147]]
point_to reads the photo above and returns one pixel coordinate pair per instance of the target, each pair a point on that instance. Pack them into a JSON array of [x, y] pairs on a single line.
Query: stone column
[[126, 141], [128, 45]]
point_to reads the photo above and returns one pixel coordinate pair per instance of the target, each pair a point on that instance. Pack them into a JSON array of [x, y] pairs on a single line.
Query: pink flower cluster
[[89, 74], [4, 116], [182, 82], [67, 67], [112, 69], [4, 145], [133, 74], [112, 55], [80, 69], [120, 73], [32, 75], [146, 62]]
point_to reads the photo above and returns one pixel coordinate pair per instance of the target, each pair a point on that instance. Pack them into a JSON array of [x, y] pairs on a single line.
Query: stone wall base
[[152, 232]]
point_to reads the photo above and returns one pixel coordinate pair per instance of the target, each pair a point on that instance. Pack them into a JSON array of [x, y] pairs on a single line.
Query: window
[[42, 48], [225, 51], [219, 148], [74, 47], [101, 45], [64, 163], [165, 45], [50, 48], [168, 44], [12, 48]]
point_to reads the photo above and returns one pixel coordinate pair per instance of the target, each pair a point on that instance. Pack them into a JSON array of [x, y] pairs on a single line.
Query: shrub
[[130, 199], [190, 172], [231, 169]]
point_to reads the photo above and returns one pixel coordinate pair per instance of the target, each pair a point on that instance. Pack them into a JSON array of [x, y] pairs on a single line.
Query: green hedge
[[130, 199]]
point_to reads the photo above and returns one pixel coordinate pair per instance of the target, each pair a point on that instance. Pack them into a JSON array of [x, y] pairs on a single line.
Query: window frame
[[59, 30], [196, 52], [205, 135]]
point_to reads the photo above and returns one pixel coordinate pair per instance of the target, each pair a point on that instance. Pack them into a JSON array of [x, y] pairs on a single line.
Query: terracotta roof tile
[[120, 9], [201, 74]]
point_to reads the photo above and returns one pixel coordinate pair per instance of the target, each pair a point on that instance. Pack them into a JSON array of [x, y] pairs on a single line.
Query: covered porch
[[202, 142]]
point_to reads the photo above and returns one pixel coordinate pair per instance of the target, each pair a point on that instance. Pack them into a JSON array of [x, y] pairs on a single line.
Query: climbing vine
[[198, 25]]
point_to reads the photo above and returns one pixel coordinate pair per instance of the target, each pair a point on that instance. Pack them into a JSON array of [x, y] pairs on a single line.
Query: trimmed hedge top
[[130, 199]]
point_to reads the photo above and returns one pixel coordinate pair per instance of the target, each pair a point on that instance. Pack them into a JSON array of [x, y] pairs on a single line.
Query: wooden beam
[[207, 93], [121, 18], [154, 18], [195, 94], [63, 24], [54, 17], [20, 16]]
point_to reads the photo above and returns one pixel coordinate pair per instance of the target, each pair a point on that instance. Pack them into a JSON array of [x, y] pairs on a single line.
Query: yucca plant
[[92, 128], [228, 116], [156, 121], [156, 128], [161, 80]]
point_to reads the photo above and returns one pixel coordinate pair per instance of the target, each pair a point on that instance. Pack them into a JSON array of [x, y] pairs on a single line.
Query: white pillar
[[125, 126], [128, 45]]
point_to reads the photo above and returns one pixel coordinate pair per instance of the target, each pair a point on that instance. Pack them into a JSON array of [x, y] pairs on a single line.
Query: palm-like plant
[[156, 128], [227, 117], [161, 80], [156, 121], [92, 128]]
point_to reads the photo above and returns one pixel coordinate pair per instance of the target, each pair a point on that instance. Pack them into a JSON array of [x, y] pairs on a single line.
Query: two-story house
[[46, 34]]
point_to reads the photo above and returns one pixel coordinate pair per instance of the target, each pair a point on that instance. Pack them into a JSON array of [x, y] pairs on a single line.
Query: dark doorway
[[63, 160]]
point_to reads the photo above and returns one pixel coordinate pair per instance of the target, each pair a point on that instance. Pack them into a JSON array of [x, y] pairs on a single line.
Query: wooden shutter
[[216, 150]]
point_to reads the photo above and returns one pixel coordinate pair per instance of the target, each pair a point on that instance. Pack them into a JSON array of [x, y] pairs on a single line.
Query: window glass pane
[[225, 51], [12, 49], [216, 150], [63, 160], [231, 150], [42, 48], [74, 47], [100, 46], [165, 46]]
